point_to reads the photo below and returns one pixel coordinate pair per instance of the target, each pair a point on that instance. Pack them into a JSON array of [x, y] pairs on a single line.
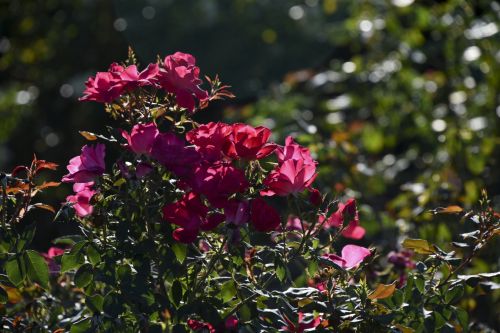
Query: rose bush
[[214, 227]]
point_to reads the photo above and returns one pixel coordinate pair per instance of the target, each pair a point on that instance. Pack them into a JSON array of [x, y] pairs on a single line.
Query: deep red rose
[[248, 142], [315, 197], [218, 182], [188, 213], [264, 217], [237, 212], [171, 151], [210, 139]]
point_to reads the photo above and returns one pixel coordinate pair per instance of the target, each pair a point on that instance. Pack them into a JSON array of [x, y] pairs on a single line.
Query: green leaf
[[95, 302], [280, 272], [113, 305], [38, 271], [463, 318], [228, 291], [180, 251], [176, 292], [3, 296], [93, 255], [15, 268], [68, 240], [84, 276], [420, 284], [71, 261], [81, 326], [454, 294]]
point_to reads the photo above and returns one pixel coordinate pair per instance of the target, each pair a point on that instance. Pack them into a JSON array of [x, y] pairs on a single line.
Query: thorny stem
[[211, 265]]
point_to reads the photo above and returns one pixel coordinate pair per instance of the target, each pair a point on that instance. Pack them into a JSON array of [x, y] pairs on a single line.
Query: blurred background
[[398, 99]]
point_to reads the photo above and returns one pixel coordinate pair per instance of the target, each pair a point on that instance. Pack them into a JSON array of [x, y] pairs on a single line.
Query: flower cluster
[[221, 178], [178, 75], [84, 170]]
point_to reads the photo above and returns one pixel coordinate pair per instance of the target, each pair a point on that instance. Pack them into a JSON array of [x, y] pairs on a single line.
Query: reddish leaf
[[41, 164], [47, 184]]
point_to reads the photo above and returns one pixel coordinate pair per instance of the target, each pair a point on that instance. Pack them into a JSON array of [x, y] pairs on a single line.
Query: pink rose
[[81, 201], [294, 151], [264, 217], [248, 142], [290, 177], [180, 76], [88, 166], [131, 78], [53, 252], [352, 256], [105, 87], [349, 212], [141, 138]]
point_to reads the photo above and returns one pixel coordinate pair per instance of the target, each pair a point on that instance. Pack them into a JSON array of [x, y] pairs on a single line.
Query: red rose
[[264, 217], [248, 142], [180, 76]]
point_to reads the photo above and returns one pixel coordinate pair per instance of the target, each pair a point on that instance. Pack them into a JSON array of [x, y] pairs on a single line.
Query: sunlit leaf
[[87, 135], [383, 291], [420, 246]]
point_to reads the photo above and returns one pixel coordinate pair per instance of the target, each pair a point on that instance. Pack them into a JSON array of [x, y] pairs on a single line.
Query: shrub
[[214, 227]]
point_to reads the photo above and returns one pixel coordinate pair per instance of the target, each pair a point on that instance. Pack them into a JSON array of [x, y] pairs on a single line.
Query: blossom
[[143, 169], [294, 223], [237, 212], [49, 256], [301, 325], [88, 166], [210, 139], [171, 151], [350, 212], [131, 78], [218, 182], [401, 259], [141, 138], [352, 256], [180, 76], [228, 326], [81, 201], [315, 197], [248, 142], [291, 177], [104, 88], [294, 151], [264, 217], [188, 213]]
